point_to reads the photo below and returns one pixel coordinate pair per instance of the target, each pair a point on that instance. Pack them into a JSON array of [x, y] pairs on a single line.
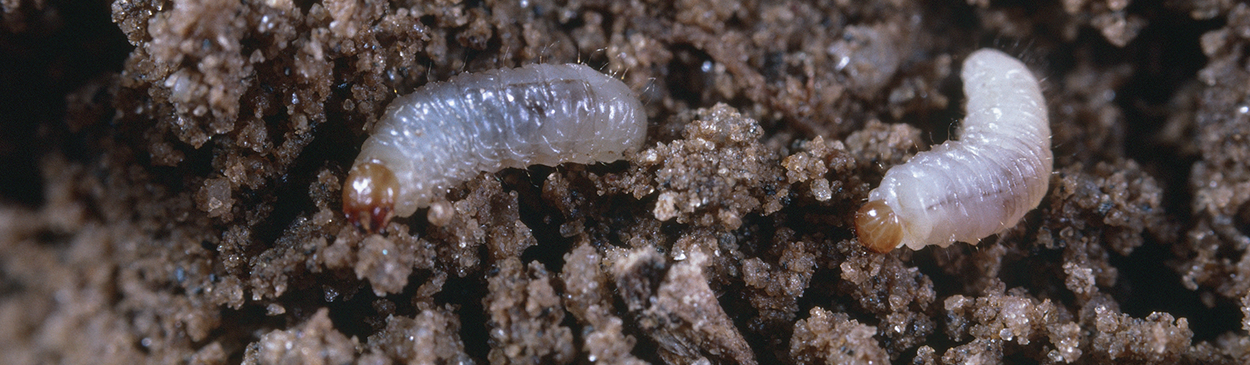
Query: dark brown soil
[[170, 176]]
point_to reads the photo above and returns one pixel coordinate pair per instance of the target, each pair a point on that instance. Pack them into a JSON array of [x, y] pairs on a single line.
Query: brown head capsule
[[878, 227], [369, 195]]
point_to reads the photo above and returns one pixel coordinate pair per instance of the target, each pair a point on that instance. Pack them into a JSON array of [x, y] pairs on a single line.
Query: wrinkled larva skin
[[447, 132], [982, 183]]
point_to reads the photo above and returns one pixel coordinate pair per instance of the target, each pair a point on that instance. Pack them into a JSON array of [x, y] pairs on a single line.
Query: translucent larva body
[[447, 132], [976, 186]]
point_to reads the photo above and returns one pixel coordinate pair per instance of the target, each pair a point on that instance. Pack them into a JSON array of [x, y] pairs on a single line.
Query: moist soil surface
[[172, 175]]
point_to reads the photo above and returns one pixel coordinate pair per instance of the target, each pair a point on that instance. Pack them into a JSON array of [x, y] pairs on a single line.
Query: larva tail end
[[369, 196], [878, 227]]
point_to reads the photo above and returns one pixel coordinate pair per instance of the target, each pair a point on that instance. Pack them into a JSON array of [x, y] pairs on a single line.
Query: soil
[[173, 170]]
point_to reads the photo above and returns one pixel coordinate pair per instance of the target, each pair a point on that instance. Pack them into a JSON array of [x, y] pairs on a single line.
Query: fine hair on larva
[[447, 132], [977, 185]]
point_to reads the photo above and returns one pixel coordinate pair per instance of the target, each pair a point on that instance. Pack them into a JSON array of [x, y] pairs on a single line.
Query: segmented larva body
[[976, 186], [448, 132]]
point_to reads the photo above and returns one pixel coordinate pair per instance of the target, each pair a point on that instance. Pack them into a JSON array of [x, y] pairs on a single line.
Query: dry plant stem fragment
[[448, 132], [979, 185]]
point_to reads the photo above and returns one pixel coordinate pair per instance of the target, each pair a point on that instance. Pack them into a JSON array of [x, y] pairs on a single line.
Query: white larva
[[979, 185], [448, 132]]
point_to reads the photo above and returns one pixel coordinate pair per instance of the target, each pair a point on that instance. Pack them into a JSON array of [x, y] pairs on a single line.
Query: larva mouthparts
[[448, 132], [979, 185]]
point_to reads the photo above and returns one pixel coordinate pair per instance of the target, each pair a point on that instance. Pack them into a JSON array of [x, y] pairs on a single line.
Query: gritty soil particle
[[525, 316], [851, 341], [678, 310], [429, 337], [174, 172]]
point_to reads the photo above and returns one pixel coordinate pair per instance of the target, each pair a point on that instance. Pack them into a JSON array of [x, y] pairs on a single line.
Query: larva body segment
[[982, 183], [448, 132]]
